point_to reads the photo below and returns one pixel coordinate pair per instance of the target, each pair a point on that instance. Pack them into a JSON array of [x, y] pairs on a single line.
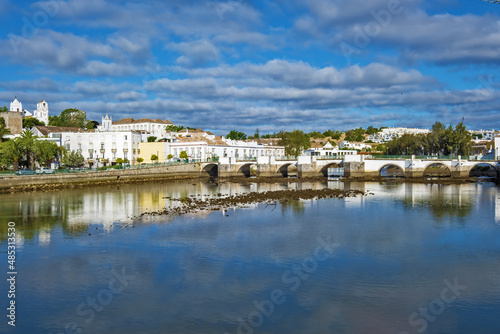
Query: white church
[[41, 113]]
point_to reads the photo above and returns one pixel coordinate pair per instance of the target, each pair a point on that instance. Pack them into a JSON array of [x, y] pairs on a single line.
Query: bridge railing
[[419, 157]]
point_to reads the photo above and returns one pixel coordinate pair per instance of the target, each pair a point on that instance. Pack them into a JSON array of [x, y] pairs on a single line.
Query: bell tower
[[42, 112]]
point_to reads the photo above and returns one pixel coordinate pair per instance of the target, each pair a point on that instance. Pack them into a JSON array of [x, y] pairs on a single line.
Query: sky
[[269, 65]]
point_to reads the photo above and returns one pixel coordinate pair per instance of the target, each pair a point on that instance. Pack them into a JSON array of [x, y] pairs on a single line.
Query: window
[[102, 146], [125, 137]]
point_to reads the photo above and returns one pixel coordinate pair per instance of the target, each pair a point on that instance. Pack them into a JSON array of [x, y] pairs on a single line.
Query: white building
[[104, 147], [486, 135], [202, 150], [16, 105], [329, 151], [497, 148], [353, 145], [147, 127], [41, 113], [388, 134]]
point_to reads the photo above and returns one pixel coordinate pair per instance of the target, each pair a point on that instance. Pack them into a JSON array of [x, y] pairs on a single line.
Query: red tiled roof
[[45, 130], [141, 120]]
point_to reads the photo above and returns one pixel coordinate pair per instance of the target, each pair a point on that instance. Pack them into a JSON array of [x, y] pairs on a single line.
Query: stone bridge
[[358, 166], [355, 166]]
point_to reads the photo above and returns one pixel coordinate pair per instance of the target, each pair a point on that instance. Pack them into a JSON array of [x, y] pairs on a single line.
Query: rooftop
[[46, 130]]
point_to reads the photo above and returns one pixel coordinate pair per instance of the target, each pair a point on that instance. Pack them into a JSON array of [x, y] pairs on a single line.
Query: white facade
[[497, 148], [353, 146], [388, 134], [107, 146], [202, 151], [329, 151], [147, 127], [42, 112], [16, 105], [487, 135]]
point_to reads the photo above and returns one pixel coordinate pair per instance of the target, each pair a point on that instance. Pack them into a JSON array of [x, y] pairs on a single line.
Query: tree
[[119, 161], [295, 142], [315, 134], [46, 151], [333, 134], [30, 122], [151, 139], [92, 124], [441, 140], [371, 130], [174, 128], [154, 157], [236, 135], [3, 129], [71, 118], [11, 153], [257, 134], [139, 160], [355, 135], [170, 156], [3, 109], [183, 155], [74, 159], [28, 144]]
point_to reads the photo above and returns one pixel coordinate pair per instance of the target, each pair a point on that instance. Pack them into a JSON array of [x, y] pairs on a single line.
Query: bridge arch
[[391, 170], [283, 169], [324, 169], [484, 169], [212, 169], [245, 169], [435, 169]]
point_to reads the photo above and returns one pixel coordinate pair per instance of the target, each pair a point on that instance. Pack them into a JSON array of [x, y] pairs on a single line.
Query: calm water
[[410, 258]]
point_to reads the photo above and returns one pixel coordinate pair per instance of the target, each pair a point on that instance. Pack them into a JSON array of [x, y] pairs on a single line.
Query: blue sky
[[272, 65]]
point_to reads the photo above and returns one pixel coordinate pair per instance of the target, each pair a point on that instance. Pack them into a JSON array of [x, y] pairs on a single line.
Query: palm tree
[[3, 129], [28, 144], [13, 151]]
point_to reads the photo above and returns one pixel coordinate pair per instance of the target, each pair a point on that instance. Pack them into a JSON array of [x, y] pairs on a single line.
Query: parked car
[[45, 170], [25, 172]]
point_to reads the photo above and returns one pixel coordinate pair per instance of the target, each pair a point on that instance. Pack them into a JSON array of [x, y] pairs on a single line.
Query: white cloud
[[195, 53]]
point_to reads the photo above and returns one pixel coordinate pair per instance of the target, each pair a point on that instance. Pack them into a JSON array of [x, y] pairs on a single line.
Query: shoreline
[[85, 181]]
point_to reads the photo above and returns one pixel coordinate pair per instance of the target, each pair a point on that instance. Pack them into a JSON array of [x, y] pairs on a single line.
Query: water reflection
[[74, 210], [200, 274]]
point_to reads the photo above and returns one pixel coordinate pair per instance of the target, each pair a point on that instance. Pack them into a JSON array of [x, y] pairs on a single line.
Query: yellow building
[[157, 148]]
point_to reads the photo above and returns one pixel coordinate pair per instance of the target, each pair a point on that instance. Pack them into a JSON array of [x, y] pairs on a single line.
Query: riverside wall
[[184, 171]]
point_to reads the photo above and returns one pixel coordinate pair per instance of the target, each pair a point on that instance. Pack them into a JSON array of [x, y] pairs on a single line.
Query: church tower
[[42, 112], [106, 123], [16, 105]]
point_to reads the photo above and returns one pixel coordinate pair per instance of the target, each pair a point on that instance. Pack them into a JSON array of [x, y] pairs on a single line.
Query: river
[[404, 258]]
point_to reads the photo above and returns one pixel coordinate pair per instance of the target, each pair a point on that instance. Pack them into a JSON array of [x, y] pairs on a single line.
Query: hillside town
[[135, 141]]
